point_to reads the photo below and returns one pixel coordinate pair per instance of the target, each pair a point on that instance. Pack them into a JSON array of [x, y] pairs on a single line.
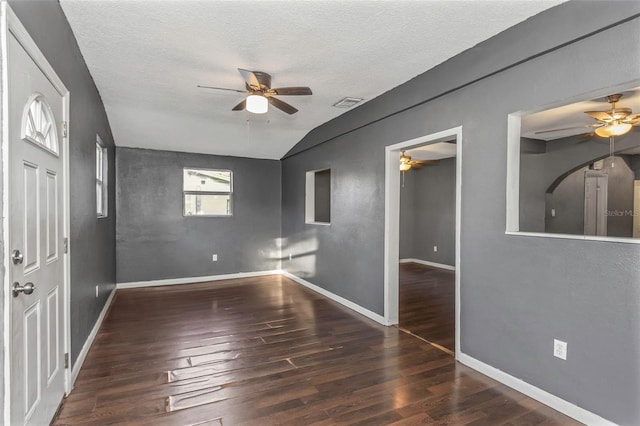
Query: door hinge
[[65, 244], [66, 360], [65, 130]]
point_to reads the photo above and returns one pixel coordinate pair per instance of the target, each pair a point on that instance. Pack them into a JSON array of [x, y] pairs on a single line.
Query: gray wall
[[155, 241], [518, 293], [544, 164], [407, 214], [568, 201], [428, 213], [92, 240], [635, 166]]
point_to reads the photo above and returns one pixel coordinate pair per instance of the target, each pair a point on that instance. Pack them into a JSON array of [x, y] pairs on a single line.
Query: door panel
[[31, 220], [32, 350], [53, 335], [52, 216]]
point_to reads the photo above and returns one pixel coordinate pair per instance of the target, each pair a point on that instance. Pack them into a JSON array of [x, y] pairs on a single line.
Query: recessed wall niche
[[574, 170], [318, 197]]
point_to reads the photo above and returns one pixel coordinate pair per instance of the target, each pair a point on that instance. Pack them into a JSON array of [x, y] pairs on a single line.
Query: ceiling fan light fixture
[[405, 167], [616, 129], [257, 104], [405, 162]]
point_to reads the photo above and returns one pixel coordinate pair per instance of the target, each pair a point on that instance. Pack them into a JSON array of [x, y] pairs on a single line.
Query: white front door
[[35, 239]]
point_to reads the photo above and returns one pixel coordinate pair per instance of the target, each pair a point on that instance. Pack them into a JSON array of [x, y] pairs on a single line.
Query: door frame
[[392, 223], [10, 24], [600, 204]]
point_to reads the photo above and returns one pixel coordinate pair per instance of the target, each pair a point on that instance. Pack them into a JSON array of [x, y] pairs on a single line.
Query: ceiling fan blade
[[282, 105], [242, 105], [600, 115], [632, 119], [424, 162], [569, 128], [250, 78], [291, 91], [222, 88]]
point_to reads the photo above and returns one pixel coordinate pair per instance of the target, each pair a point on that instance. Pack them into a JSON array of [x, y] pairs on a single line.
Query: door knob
[[26, 289], [17, 257]]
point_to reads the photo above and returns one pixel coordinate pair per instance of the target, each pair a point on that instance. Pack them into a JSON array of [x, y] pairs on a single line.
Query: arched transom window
[[39, 125]]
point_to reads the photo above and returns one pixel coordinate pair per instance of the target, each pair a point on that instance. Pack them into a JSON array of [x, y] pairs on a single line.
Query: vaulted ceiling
[[147, 58]]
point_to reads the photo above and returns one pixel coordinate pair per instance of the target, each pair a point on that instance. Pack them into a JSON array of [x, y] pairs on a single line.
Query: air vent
[[347, 102]]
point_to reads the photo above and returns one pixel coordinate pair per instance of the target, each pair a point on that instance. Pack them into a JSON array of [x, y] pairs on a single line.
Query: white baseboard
[[192, 280], [349, 304], [87, 344], [538, 394], [428, 263]]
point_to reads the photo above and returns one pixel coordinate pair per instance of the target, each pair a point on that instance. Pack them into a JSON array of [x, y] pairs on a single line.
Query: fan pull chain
[[403, 179], [611, 150]]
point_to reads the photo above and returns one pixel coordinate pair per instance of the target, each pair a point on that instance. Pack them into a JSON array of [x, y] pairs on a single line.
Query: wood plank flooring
[[267, 351], [427, 303]]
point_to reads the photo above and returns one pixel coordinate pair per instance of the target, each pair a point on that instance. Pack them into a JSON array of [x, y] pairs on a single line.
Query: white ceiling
[[147, 57], [434, 151], [572, 115]]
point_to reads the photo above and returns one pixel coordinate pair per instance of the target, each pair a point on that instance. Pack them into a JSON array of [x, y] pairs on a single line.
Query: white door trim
[[10, 24], [392, 221]]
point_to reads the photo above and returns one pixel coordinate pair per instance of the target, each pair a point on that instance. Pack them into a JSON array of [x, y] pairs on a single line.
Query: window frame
[[513, 178], [191, 192], [102, 179]]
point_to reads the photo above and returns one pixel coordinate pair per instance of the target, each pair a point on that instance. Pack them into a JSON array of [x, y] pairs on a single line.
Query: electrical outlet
[[289, 256], [214, 257], [435, 248], [97, 289], [560, 349]]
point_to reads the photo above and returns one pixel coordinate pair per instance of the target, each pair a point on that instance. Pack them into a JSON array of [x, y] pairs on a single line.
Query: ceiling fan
[[406, 163], [260, 94], [609, 123]]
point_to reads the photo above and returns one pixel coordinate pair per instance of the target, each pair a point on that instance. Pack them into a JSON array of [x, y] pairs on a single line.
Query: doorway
[[392, 223], [36, 223]]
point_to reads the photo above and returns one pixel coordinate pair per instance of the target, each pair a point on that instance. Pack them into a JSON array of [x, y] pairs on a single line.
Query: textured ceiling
[[147, 57], [434, 151], [572, 117]]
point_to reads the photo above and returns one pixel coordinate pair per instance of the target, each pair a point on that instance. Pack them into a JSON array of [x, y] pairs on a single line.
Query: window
[[318, 197], [102, 166], [207, 192], [573, 173], [38, 124]]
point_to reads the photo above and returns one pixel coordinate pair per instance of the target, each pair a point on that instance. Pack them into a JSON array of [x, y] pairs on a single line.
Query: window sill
[[318, 223], [208, 215], [575, 237]]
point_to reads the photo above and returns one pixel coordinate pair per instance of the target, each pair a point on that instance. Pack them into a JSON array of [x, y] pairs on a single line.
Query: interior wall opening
[[427, 243], [422, 237]]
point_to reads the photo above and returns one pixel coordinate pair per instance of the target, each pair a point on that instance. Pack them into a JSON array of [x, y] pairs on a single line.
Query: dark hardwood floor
[[427, 303], [267, 351]]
